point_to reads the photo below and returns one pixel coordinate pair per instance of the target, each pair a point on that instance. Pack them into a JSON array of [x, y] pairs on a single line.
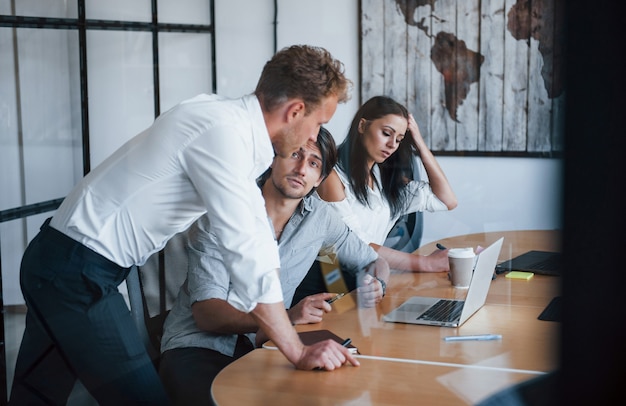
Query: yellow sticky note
[[519, 275]]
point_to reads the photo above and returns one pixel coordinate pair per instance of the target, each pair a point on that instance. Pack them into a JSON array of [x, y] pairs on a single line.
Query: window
[[75, 74]]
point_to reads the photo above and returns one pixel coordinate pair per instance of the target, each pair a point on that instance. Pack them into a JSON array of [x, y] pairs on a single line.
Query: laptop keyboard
[[444, 310]]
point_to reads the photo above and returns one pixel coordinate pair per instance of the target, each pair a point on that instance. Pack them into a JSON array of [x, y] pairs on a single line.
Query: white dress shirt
[[202, 156]]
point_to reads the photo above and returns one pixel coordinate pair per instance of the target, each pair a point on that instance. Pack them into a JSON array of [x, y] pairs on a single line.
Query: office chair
[[406, 234], [152, 290]]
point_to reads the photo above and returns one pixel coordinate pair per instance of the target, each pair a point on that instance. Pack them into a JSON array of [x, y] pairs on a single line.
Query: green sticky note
[[519, 275]]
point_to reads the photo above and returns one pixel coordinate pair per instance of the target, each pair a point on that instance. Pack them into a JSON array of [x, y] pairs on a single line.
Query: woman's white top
[[373, 222]]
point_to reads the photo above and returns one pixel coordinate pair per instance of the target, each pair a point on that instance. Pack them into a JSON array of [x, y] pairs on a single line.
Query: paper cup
[[461, 266]]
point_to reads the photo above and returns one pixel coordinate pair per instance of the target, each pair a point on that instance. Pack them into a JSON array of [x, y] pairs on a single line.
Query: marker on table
[[441, 247], [476, 337]]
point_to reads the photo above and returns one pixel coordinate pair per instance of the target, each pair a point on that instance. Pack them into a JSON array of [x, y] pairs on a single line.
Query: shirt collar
[[263, 149], [305, 205]]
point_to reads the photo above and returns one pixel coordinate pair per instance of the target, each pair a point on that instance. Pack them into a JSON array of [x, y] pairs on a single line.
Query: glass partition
[[185, 68], [79, 78]]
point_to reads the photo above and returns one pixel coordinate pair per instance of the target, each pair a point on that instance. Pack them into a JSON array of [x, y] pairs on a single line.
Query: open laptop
[[451, 312], [539, 262]]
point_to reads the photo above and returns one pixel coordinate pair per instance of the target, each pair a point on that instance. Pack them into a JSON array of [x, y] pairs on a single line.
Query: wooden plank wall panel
[[558, 79], [443, 126], [372, 46], [515, 84], [467, 29], [480, 76], [395, 52], [491, 105], [540, 73], [420, 71]]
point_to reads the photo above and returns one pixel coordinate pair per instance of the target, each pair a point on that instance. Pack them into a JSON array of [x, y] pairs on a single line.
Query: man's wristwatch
[[383, 284]]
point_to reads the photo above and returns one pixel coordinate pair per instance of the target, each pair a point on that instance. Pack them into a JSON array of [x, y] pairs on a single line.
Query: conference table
[[402, 363]]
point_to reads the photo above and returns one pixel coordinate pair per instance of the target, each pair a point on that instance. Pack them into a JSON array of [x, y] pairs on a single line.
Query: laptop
[[451, 312], [539, 262]]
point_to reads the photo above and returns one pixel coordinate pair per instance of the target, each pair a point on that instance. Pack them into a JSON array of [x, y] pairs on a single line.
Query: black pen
[[441, 247], [332, 299]]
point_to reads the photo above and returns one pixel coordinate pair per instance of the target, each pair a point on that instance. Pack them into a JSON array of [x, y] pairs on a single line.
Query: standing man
[[202, 156], [203, 333]]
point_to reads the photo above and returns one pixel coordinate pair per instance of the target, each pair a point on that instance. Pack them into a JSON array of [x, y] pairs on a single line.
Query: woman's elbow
[[451, 204]]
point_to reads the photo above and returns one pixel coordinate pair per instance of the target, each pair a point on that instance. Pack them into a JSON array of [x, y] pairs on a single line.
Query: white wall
[[245, 41], [494, 193], [498, 194]]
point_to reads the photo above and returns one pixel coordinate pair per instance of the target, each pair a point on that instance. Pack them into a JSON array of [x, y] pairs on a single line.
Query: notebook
[[451, 312], [538, 262]]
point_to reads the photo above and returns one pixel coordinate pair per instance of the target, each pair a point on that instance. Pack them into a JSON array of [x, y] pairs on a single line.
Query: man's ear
[[295, 108]]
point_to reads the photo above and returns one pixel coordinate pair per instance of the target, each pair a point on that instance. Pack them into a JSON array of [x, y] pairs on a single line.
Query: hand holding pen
[[335, 298], [311, 309]]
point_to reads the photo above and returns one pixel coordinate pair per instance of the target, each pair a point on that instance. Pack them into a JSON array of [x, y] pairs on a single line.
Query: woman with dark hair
[[371, 188]]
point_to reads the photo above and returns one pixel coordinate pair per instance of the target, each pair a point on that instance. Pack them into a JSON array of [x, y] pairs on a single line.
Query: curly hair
[[302, 71]]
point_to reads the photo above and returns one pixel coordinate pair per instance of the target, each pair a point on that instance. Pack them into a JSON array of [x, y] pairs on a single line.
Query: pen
[[477, 337], [332, 299], [441, 247]]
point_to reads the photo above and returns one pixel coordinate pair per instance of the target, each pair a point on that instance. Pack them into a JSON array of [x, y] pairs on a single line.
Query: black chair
[[152, 290]]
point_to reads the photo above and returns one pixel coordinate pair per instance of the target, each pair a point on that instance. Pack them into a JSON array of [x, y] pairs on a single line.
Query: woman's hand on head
[[415, 131]]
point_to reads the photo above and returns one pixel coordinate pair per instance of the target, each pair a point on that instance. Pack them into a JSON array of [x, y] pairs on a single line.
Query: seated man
[[203, 333]]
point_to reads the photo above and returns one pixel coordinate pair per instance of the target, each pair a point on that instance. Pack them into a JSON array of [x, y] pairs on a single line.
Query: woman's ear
[[361, 126]]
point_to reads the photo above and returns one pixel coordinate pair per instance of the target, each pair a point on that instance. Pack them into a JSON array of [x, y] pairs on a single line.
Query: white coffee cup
[[461, 266]]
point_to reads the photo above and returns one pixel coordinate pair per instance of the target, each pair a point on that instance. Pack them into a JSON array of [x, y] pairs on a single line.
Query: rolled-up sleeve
[[420, 197]]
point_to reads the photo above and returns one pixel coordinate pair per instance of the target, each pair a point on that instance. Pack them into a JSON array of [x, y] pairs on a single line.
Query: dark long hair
[[395, 170]]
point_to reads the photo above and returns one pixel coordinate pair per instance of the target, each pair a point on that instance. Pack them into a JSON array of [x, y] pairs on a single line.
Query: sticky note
[[519, 275]]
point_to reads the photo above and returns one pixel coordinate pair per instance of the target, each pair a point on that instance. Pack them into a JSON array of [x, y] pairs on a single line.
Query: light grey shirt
[[313, 227]]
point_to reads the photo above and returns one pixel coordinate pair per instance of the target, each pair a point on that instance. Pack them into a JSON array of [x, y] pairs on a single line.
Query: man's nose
[[313, 136], [300, 167]]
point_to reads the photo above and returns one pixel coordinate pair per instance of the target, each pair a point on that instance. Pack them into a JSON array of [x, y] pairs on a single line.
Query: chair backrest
[[152, 290]]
